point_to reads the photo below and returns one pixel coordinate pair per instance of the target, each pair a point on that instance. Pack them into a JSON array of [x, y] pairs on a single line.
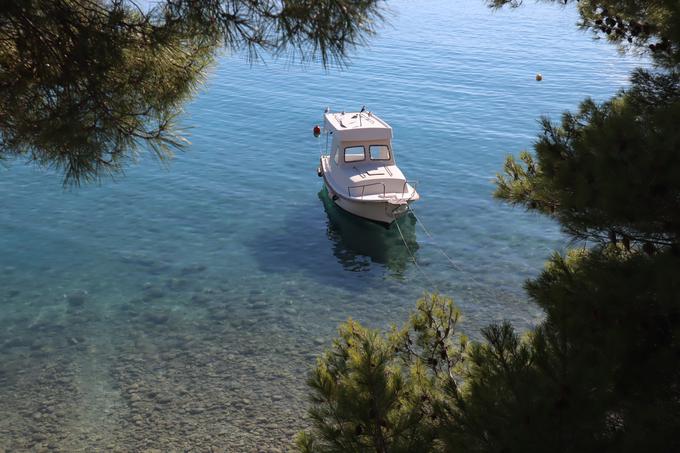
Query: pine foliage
[[385, 392], [86, 84], [611, 171], [603, 367], [600, 374]]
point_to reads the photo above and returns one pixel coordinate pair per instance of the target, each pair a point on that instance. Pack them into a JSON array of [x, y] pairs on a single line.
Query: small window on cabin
[[354, 153], [337, 153], [379, 152]]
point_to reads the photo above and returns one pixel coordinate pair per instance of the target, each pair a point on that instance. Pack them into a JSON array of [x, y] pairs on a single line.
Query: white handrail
[[413, 184], [363, 188]]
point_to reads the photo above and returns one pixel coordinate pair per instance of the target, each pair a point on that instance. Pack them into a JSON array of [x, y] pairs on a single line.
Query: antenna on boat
[[363, 109]]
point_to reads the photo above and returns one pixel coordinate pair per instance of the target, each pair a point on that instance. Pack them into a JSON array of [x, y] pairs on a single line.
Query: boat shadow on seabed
[[357, 242]]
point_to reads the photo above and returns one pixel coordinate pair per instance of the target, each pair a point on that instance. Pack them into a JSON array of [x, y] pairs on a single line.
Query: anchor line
[[448, 258], [457, 267], [413, 258]]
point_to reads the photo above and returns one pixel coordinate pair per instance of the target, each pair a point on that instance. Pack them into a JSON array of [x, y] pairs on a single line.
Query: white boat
[[359, 170]]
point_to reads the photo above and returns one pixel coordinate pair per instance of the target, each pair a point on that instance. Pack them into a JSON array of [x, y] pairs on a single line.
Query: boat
[[359, 169]]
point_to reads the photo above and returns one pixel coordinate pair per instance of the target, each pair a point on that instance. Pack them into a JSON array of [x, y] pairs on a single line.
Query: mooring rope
[[482, 286], [440, 249], [413, 258]]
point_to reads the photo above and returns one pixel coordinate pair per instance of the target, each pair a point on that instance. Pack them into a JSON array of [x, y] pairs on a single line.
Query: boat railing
[[363, 188], [413, 184]]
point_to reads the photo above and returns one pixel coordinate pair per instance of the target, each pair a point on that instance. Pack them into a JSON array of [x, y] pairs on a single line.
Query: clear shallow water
[[181, 307]]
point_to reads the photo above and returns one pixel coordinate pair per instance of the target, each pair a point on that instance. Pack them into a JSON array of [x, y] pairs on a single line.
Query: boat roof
[[349, 126]]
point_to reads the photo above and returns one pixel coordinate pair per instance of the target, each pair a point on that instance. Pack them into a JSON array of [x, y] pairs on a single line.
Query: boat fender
[[335, 197], [319, 172], [317, 131]]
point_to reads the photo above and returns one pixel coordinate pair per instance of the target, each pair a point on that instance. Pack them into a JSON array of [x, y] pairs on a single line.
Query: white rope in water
[[413, 258], [441, 250], [483, 287]]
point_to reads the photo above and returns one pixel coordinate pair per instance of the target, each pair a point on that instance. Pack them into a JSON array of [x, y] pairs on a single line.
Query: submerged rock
[[139, 259], [156, 318], [17, 342], [153, 293], [193, 269], [219, 315], [259, 305], [76, 298], [200, 299], [177, 283]]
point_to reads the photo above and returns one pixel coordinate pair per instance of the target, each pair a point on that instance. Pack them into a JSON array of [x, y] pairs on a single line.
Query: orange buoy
[[539, 77]]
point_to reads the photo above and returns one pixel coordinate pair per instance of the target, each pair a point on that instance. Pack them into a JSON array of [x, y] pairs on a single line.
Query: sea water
[[182, 306]]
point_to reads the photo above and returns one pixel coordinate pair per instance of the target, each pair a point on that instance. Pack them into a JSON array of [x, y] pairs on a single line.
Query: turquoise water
[[181, 307]]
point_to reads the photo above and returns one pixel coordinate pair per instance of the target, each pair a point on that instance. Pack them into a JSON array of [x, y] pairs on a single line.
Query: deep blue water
[[213, 281]]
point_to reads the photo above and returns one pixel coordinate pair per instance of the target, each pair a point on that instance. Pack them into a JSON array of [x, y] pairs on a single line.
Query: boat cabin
[[359, 138]]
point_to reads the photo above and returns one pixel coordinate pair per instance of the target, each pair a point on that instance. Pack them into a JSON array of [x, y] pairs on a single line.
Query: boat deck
[[369, 182]]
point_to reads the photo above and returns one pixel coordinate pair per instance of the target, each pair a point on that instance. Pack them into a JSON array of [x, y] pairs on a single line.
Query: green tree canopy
[[599, 374], [84, 84], [611, 171], [602, 372], [386, 392]]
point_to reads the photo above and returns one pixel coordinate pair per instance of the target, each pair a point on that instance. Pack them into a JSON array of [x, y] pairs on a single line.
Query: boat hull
[[382, 212]]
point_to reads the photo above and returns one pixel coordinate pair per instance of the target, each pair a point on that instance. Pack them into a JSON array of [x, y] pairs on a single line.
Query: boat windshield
[[355, 153], [379, 152]]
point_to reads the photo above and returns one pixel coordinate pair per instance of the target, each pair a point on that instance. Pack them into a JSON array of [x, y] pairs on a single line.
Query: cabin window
[[337, 153], [379, 152], [354, 153]]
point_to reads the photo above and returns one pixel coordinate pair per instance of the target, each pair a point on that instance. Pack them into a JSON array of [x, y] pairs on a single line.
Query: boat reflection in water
[[358, 242]]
